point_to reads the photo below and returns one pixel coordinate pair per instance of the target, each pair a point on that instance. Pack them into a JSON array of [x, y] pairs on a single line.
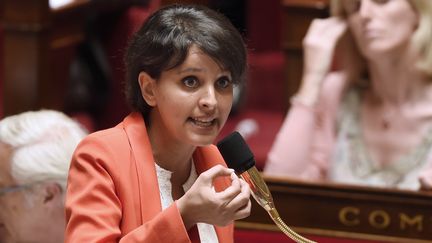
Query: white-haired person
[[369, 121], [35, 152]]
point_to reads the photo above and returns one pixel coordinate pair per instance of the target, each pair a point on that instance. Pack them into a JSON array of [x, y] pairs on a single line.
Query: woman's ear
[[147, 85]]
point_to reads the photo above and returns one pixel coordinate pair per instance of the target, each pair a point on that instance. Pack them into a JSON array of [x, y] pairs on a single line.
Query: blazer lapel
[[142, 153]]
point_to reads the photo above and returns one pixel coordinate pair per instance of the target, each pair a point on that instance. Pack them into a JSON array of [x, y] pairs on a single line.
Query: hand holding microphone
[[238, 156], [201, 203]]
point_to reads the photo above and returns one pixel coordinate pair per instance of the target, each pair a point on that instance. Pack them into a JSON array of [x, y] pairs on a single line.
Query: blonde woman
[[368, 121]]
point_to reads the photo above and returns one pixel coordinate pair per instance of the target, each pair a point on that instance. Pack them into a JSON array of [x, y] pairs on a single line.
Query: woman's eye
[[190, 82], [381, 1], [223, 82], [353, 6]]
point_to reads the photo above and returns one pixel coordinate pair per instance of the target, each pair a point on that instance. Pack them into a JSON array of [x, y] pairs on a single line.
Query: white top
[[206, 232], [352, 163]]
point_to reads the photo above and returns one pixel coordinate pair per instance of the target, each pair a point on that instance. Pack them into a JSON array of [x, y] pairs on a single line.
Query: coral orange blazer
[[113, 195]]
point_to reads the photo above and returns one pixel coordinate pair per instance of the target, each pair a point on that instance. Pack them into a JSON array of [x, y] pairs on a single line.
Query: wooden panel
[[347, 211], [33, 35], [25, 25], [297, 16]]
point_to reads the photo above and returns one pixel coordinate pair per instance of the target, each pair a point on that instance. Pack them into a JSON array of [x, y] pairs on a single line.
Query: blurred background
[[68, 55]]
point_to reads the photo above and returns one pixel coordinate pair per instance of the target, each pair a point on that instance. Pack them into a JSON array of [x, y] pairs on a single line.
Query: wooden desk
[[297, 16], [347, 211], [39, 43]]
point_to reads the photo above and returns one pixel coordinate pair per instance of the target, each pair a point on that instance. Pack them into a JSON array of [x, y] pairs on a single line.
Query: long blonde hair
[[422, 38]]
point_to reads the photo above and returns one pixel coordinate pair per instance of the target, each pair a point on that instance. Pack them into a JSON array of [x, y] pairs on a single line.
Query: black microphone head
[[236, 152]]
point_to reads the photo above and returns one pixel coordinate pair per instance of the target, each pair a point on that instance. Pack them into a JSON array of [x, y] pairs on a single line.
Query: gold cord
[[262, 195], [285, 229]]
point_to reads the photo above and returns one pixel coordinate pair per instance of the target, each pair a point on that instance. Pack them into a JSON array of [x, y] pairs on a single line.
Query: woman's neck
[[399, 96], [169, 153], [396, 81]]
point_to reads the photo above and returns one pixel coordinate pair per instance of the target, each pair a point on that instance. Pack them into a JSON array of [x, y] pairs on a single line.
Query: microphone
[[239, 157]]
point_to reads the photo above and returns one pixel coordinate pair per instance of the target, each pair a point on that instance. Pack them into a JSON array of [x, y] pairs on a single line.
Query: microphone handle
[[262, 195]]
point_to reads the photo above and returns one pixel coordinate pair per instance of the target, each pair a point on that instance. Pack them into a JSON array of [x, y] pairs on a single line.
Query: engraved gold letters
[[405, 220], [380, 219], [348, 216]]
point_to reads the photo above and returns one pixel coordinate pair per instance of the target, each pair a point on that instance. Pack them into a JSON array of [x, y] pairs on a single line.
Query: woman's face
[[381, 26], [193, 100]]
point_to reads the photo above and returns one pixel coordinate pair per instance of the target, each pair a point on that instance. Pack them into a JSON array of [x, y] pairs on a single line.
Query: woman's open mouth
[[203, 122]]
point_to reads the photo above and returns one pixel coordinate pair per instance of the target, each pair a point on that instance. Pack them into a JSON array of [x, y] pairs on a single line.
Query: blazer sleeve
[[94, 210]]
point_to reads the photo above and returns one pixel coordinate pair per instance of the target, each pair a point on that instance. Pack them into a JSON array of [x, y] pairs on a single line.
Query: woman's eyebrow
[[196, 70], [190, 69]]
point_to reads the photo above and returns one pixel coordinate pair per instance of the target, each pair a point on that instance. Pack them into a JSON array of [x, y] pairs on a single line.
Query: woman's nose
[[366, 8], [208, 99]]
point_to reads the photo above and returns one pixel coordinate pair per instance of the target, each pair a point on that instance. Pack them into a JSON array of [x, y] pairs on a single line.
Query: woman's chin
[[202, 140]]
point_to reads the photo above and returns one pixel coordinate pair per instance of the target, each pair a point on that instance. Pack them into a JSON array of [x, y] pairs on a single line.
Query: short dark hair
[[163, 42]]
